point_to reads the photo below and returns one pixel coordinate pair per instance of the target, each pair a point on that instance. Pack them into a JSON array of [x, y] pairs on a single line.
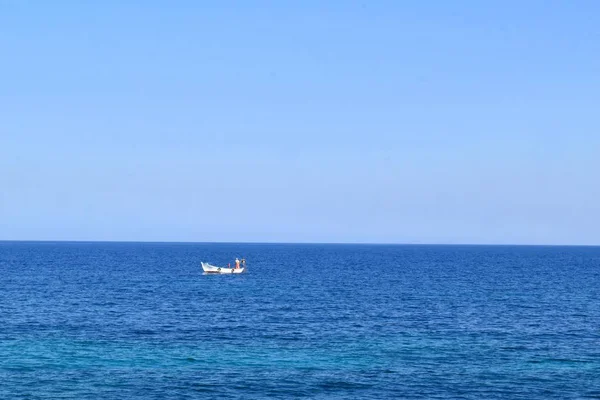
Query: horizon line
[[296, 243]]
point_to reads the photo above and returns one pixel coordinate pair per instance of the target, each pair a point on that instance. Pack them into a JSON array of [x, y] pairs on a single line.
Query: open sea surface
[[141, 321]]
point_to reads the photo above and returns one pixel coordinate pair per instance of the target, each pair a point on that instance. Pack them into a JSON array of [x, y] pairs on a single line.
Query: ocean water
[[141, 321]]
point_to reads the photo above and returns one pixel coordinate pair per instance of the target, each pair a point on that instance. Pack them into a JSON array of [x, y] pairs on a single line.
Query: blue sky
[[311, 121]]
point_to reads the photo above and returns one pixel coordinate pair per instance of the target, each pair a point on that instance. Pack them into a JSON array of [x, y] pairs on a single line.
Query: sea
[[94, 320]]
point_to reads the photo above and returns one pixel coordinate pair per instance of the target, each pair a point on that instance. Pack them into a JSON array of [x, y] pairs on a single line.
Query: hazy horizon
[[304, 243]]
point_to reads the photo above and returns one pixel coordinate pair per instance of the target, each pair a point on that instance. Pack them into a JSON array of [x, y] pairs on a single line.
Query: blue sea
[[141, 321]]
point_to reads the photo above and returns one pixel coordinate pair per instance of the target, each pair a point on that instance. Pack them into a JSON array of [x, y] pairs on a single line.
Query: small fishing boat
[[213, 269]]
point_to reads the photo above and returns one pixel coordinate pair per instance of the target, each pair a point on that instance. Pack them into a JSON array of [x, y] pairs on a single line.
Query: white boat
[[213, 269]]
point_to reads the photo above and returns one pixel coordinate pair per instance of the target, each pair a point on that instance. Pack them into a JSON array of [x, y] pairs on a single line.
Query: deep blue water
[[140, 321]]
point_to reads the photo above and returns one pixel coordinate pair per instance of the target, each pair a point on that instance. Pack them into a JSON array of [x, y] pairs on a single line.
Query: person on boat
[[243, 262], [237, 263]]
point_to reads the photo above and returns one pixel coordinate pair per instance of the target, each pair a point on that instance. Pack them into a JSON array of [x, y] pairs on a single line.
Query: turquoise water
[[134, 320]]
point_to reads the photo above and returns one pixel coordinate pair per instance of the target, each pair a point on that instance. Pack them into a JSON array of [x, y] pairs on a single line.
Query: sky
[[303, 121]]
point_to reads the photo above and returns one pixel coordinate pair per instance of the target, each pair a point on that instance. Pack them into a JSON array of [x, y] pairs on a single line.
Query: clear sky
[[309, 121]]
